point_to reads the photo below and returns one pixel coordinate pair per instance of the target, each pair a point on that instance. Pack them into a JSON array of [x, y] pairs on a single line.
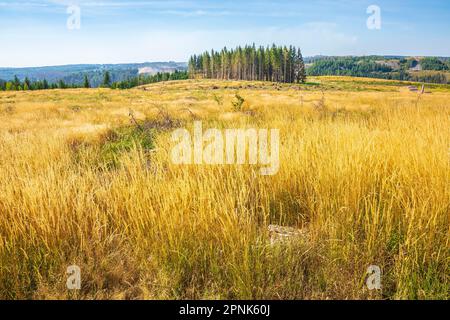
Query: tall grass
[[366, 179]]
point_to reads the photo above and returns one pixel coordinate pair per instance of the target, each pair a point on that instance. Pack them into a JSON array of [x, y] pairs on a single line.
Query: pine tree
[[86, 83], [61, 84], [16, 82], [26, 84], [301, 70], [106, 80]]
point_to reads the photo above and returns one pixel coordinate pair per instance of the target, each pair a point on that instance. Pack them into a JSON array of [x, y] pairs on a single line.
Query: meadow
[[86, 179]]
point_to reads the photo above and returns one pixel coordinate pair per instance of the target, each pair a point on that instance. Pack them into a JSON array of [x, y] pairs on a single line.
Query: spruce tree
[[61, 84], [16, 82], [301, 72], [26, 84], [106, 80], [86, 83]]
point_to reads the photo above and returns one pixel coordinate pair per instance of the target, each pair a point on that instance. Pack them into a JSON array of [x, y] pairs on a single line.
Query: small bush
[[238, 103], [218, 99], [124, 139]]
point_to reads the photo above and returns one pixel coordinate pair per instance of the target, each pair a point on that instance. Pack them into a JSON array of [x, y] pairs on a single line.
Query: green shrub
[[238, 103], [124, 139]]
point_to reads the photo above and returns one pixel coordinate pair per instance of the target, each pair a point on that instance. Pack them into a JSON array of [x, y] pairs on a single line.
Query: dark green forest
[[391, 68], [346, 66], [432, 63], [143, 79], [106, 82]]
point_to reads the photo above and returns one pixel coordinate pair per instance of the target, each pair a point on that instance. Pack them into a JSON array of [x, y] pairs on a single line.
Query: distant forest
[[272, 63], [147, 79], [277, 64], [106, 82], [76, 76], [429, 69]]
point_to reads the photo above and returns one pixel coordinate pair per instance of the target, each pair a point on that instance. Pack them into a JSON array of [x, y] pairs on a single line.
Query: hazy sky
[[35, 32]]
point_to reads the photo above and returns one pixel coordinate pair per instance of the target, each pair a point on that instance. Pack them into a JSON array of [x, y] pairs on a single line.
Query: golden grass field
[[364, 176]]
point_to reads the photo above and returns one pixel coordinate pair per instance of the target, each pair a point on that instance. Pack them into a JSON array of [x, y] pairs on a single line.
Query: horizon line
[[173, 61]]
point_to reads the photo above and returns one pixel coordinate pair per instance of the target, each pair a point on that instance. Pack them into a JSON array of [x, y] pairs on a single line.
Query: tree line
[[435, 64], [434, 77], [346, 66], [26, 84], [275, 63], [17, 85], [147, 79], [381, 68]]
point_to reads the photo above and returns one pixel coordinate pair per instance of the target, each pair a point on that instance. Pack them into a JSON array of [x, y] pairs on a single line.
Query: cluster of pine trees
[[147, 79], [433, 63], [26, 84], [373, 67], [17, 85], [347, 66], [437, 77], [276, 64]]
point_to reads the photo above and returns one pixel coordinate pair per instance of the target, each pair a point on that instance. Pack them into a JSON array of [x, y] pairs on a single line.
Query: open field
[[364, 177]]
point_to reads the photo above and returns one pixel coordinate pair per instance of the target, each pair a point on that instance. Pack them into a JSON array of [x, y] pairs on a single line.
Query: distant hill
[[420, 69], [74, 74]]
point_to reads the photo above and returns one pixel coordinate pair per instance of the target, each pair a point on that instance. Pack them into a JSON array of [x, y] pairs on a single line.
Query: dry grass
[[366, 177]]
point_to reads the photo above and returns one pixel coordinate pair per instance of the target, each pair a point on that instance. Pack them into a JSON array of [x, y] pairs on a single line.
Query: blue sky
[[35, 33]]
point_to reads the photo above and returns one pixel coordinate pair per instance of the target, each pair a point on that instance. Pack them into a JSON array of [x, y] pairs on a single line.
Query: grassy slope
[[366, 177]]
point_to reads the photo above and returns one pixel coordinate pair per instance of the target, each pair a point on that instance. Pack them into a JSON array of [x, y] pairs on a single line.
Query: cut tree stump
[[280, 234]]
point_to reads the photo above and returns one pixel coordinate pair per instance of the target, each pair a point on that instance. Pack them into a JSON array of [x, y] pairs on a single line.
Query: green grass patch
[[124, 139]]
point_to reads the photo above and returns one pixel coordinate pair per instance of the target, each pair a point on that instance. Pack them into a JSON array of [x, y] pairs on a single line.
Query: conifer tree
[[26, 84], [16, 82], [86, 83], [61, 84], [106, 80], [300, 68]]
